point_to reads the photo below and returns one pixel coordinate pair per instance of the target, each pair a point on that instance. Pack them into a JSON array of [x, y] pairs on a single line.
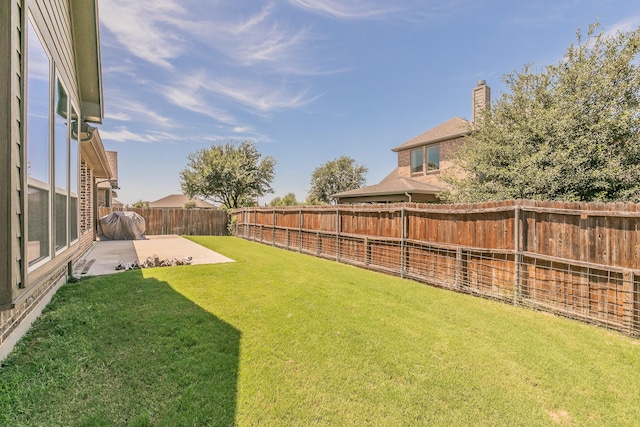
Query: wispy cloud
[[358, 9], [122, 117], [123, 134], [632, 23], [189, 93], [141, 28], [254, 96], [123, 108]]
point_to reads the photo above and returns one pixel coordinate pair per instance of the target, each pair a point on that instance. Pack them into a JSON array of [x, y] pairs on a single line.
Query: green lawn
[[283, 339]]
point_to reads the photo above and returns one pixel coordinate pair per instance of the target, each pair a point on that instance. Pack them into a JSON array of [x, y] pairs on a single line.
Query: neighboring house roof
[[178, 201], [112, 159], [392, 184], [451, 129]]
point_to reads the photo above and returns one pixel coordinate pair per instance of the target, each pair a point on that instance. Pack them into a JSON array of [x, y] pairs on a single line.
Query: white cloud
[[123, 134], [355, 9], [120, 116], [630, 24], [242, 129], [257, 97], [126, 109], [191, 98], [141, 28]]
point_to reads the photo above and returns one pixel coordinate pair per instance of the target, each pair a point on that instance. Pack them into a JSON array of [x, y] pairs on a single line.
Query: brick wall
[[13, 318], [86, 198], [447, 148]]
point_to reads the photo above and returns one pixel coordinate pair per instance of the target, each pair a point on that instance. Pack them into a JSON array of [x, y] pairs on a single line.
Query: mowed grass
[[283, 339]]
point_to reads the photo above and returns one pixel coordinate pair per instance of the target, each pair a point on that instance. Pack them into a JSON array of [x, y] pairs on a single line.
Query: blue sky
[[311, 80]]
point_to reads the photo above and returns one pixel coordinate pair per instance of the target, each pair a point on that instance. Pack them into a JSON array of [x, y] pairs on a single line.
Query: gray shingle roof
[[453, 128], [392, 184], [178, 201]]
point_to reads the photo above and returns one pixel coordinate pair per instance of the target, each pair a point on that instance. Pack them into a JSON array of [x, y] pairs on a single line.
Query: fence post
[[337, 234], [403, 246], [517, 254], [458, 281], [273, 231], [628, 300], [367, 252], [300, 230]]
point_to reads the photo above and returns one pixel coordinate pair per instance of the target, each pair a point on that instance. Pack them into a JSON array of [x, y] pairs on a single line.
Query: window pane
[[60, 141], [73, 218], [38, 232], [416, 160], [61, 220], [37, 109], [73, 162], [433, 157], [37, 149]]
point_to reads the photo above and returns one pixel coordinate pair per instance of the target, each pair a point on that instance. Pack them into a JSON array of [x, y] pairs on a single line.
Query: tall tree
[[335, 176], [231, 174], [569, 132]]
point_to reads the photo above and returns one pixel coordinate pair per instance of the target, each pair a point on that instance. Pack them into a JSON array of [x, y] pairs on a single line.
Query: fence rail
[[191, 222], [578, 260]]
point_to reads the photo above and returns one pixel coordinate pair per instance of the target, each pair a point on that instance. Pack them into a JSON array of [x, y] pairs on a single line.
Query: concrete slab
[[106, 255]]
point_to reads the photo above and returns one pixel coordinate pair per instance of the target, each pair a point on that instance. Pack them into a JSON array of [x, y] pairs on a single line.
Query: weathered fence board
[[190, 222], [576, 259]]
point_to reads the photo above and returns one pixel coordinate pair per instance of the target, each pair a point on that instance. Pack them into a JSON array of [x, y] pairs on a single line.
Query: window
[[38, 149], [416, 160], [433, 157], [52, 157]]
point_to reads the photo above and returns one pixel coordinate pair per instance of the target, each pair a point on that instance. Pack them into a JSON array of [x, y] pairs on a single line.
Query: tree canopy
[[335, 176], [140, 204], [570, 132], [288, 199], [231, 174]]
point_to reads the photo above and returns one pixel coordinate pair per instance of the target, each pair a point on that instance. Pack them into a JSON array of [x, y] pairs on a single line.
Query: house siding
[[11, 268]]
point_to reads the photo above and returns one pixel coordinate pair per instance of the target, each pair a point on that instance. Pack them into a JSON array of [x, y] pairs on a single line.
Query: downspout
[[408, 195]]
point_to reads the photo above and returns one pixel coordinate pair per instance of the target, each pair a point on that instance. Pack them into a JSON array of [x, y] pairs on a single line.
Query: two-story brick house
[[421, 161]]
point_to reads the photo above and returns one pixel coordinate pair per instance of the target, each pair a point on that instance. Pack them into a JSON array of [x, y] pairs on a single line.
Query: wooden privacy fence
[[191, 222], [579, 260]]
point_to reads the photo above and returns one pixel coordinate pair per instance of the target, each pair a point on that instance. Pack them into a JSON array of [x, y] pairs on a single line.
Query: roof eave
[[86, 39], [403, 147], [95, 156]]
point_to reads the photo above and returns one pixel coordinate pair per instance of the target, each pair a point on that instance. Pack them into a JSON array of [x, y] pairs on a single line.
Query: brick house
[[421, 161], [50, 157]]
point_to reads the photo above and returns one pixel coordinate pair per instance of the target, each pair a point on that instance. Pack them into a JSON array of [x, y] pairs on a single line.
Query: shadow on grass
[[122, 350]]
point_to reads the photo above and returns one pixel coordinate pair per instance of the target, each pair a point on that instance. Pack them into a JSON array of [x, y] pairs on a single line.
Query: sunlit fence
[[191, 222], [574, 259]]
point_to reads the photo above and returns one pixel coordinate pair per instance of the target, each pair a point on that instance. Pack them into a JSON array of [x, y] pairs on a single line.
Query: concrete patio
[[106, 255]]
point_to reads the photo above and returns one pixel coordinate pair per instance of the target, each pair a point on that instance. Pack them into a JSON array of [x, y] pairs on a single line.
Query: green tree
[[288, 199], [140, 204], [570, 132], [234, 175], [190, 205], [335, 176]]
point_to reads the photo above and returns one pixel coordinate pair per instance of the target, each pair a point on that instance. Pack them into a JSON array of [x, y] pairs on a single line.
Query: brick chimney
[[480, 99]]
